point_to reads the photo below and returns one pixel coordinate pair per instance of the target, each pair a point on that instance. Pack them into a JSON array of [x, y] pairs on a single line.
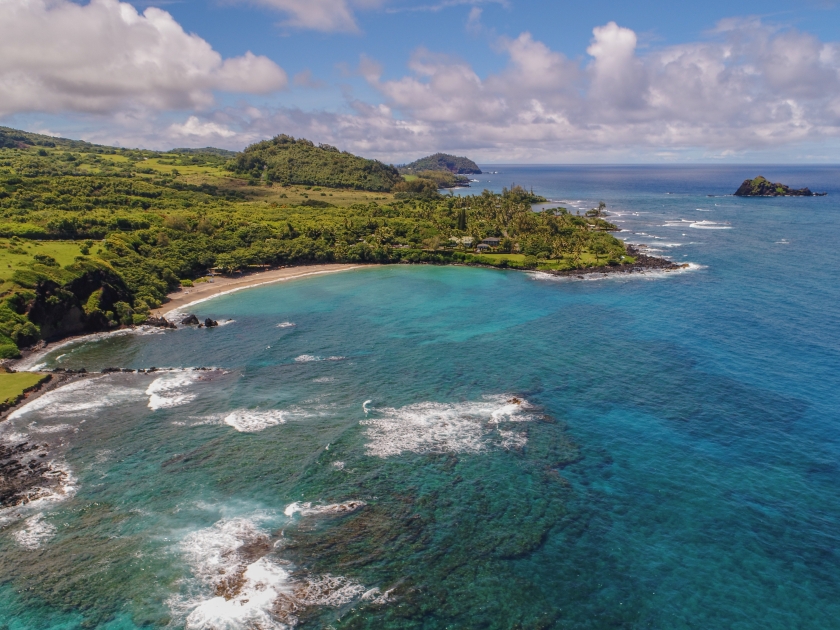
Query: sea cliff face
[[761, 187]]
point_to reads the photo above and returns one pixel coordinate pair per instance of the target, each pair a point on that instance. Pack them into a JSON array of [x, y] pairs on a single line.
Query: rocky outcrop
[[90, 302], [190, 320], [160, 322], [761, 187], [642, 263], [210, 323]]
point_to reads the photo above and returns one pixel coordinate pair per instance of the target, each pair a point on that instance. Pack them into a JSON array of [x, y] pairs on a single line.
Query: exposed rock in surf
[[160, 322], [25, 475], [642, 262], [190, 320], [210, 323]]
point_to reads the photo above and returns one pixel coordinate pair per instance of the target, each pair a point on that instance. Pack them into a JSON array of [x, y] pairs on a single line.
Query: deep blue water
[[488, 449]]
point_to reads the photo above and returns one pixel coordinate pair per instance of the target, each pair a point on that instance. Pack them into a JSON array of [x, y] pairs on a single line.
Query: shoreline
[[642, 264], [223, 285], [181, 300]]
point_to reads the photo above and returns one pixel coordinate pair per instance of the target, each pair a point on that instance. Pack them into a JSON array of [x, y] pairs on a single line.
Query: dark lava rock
[[160, 322], [108, 370], [23, 478], [209, 323], [190, 320], [761, 187]]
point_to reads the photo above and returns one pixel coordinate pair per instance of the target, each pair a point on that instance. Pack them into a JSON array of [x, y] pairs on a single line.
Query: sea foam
[[430, 427], [251, 421], [240, 583], [80, 398], [167, 390], [34, 532]]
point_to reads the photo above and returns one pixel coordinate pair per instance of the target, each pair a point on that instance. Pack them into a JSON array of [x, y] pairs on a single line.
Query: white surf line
[[180, 309]]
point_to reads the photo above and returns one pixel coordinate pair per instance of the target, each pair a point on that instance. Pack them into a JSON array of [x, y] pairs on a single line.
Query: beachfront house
[[491, 241], [482, 247]]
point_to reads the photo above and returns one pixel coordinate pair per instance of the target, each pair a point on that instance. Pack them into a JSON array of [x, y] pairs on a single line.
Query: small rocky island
[[761, 187]]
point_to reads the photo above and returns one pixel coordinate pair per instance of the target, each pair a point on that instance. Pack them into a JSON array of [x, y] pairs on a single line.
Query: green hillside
[[442, 162], [286, 160], [93, 237]]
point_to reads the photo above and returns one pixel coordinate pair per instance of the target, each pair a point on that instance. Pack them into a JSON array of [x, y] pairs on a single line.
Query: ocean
[[451, 447]]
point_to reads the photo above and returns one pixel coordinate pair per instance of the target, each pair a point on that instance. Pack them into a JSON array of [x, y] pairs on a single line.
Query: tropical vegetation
[[93, 237]]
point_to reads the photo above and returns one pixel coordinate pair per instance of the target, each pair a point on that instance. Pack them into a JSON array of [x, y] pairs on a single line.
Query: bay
[[432, 447]]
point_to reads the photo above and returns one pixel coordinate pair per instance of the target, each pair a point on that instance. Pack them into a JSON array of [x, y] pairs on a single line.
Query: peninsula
[[761, 187], [93, 237]]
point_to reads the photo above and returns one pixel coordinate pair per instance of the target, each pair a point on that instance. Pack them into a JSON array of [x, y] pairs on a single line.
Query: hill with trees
[[285, 160], [442, 162], [93, 237]]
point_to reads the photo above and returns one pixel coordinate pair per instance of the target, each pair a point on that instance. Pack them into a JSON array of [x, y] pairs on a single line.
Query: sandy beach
[[224, 284]]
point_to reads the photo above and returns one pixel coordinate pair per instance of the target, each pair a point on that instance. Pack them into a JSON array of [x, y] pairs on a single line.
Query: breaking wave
[[79, 398], [240, 583], [251, 421], [429, 427]]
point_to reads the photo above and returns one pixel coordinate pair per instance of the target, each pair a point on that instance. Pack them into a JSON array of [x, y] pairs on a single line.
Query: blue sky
[[510, 81]]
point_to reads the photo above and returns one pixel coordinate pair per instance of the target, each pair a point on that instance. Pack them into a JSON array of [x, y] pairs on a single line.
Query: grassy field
[[20, 253], [567, 262], [13, 385]]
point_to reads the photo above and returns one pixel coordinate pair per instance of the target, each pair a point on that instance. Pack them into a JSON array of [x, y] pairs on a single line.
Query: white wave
[[34, 532], [225, 322], [167, 390], [306, 358], [307, 509], [324, 379], [34, 362], [79, 398], [56, 428], [286, 325], [709, 225], [241, 584], [655, 274], [251, 421], [431, 427], [245, 588]]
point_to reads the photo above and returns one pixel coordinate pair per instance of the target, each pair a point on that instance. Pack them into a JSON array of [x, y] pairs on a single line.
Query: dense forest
[[93, 237], [442, 162]]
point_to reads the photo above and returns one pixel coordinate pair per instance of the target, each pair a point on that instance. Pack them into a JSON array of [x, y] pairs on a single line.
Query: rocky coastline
[[642, 263]]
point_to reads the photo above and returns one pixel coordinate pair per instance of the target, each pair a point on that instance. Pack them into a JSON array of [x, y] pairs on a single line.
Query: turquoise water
[[431, 447]]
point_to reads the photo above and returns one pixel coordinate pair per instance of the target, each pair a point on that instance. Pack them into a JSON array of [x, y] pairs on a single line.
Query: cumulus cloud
[[747, 87], [750, 86], [56, 55]]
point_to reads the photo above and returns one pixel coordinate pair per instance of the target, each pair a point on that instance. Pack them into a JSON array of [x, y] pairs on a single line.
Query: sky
[[501, 81]]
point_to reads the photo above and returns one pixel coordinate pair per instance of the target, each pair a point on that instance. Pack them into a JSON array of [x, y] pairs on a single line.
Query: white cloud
[[195, 129], [329, 16], [56, 55], [746, 88]]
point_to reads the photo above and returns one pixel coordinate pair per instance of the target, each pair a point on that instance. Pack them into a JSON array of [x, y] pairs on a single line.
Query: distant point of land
[[761, 187], [442, 162]]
